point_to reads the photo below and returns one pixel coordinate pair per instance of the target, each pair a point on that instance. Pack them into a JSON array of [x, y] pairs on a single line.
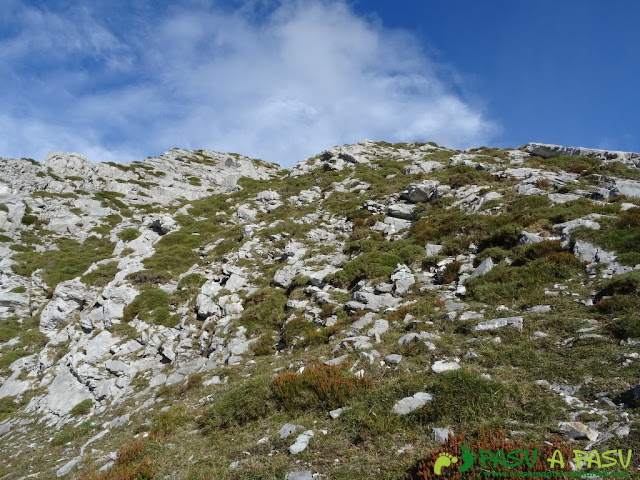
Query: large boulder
[[424, 191], [69, 297]]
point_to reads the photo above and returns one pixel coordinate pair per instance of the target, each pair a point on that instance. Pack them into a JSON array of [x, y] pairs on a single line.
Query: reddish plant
[[324, 386], [491, 441]]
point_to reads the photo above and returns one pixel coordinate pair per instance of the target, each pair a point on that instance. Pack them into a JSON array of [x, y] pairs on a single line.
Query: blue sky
[[283, 80]]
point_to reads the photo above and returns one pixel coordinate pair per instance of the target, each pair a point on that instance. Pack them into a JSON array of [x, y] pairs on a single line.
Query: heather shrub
[[318, 386]]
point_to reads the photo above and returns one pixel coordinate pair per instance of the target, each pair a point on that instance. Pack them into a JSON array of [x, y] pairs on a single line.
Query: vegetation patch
[[317, 387], [82, 408], [100, 276], [151, 306], [466, 448], [524, 284], [129, 234], [70, 260], [620, 234], [241, 404]]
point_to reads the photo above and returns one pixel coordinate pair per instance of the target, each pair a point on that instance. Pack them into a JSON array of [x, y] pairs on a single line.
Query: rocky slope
[[208, 315]]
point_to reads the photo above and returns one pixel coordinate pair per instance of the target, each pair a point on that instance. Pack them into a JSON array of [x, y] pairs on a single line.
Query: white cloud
[[309, 76]]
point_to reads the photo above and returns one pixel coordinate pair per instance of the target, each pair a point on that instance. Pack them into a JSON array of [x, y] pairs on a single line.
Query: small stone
[[537, 334], [301, 442], [289, 429], [409, 404], [299, 475], [443, 366], [499, 323], [540, 309], [441, 435], [67, 467], [622, 431], [337, 412], [393, 358], [577, 430]]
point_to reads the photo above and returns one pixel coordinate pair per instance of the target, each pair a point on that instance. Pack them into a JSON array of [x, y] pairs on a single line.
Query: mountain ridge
[[183, 284]]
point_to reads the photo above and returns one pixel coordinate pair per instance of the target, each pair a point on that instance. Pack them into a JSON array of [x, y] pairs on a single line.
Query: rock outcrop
[[201, 293]]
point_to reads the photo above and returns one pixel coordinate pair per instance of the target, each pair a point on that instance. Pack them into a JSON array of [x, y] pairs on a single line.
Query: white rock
[[444, 366], [499, 323], [393, 358], [409, 404], [577, 430], [441, 435], [289, 429], [301, 442]]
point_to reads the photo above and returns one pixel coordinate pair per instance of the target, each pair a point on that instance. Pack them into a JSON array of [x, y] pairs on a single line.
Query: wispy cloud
[[283, 85]]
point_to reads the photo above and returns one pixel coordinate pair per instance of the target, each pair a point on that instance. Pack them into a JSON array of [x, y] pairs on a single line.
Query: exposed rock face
[[548, 151], [130, 291], [68, 297]]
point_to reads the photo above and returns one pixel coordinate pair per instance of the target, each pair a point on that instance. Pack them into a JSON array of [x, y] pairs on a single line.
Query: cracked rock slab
[[409, 404]]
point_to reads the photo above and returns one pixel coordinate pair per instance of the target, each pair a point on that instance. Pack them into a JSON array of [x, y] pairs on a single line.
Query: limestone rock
[[68, 297], [577, 431], [499, 323], [409, 404], [301, 442], [424, 191]]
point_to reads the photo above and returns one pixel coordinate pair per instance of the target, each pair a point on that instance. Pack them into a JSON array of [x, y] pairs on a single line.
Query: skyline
[[285, 80]]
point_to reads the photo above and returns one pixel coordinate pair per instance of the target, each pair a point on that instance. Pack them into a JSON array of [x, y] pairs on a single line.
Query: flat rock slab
[[409, 404], [393, 358], [289, 429], [301, 442], [499, 323], [441, 435], [577, 430], [441, 366], [67, 467], [300, 475]]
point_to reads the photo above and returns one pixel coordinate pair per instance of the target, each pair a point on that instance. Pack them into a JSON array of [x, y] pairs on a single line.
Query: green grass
[[8, 406], [152, 305], [264, 311], [524, 284], [30, 340], [70, 260], [620, 295], [82, 408], [72, 434], [239, 405], [124, 330], [102, 275], [129, 234], [620, 234], [45, 194], [112, 200]]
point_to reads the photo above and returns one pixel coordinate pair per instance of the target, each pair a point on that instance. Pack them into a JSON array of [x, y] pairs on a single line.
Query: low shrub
[[318, 386], [264, 310], [239, 405], [131, 464], [625, 327], [465, 451], [375, 266]]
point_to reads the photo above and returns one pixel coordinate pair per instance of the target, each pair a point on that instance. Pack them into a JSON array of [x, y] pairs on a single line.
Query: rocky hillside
[[209, 316]]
